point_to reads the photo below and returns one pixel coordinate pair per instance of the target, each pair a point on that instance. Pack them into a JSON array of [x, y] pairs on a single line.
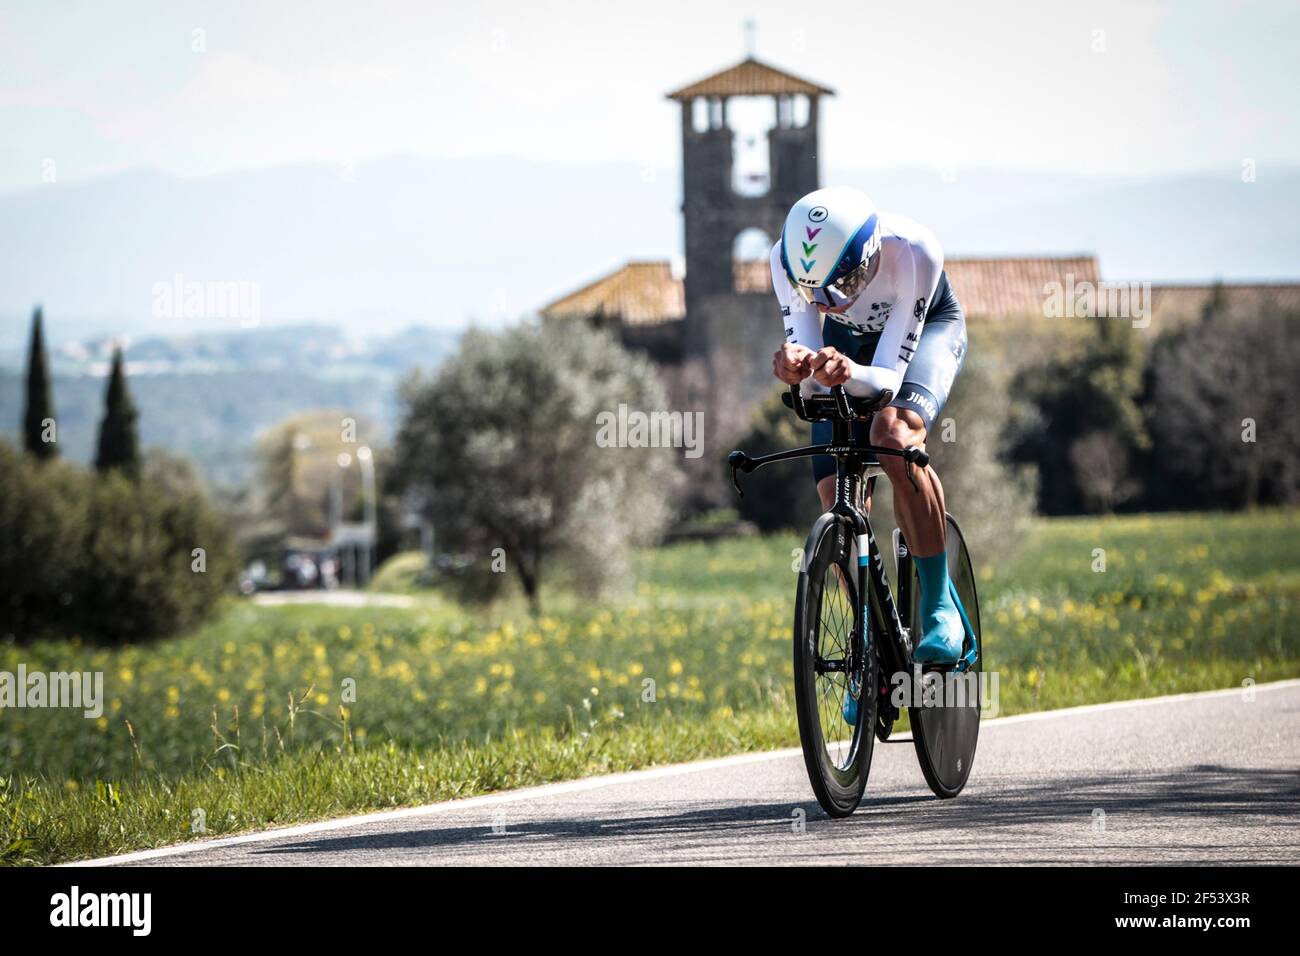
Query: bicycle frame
[[853, 465]]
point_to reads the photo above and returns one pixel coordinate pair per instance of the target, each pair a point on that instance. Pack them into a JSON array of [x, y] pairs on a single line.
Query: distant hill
[[444, 241], [410, 241], [209, 396]]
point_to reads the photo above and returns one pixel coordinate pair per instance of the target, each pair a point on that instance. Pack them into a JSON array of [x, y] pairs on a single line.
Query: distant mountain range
[[442, 242], [1196, 228]]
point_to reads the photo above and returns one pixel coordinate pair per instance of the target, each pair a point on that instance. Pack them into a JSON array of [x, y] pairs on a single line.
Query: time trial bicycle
[[852, 640]]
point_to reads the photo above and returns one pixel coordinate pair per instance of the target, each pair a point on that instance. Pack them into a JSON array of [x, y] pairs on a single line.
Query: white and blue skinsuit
[[904, 333]]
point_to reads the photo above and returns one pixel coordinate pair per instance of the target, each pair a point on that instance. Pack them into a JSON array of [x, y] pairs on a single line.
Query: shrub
[[1075, 406], [1224, 413], [104, 556], [42, 532]]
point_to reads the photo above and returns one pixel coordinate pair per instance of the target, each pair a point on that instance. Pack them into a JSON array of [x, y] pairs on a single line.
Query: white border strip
[[609, 780]]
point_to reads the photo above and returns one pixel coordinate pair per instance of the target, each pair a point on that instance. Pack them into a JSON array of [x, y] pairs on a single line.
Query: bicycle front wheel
[[833, 669]]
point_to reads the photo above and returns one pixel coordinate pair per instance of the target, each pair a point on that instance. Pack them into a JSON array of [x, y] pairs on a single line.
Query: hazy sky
[[1122, 88]]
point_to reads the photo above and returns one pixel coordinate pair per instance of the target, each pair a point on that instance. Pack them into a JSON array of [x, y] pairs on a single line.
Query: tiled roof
[[750, 78], [988, 288], [644, 293], [640, 293], [998, 288]]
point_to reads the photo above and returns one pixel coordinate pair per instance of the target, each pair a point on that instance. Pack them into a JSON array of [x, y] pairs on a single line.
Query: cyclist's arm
[[801, 321], [920, 266], [803, 326]]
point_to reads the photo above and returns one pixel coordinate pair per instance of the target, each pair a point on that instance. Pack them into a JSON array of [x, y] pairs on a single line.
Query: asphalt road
[[1196, 779]]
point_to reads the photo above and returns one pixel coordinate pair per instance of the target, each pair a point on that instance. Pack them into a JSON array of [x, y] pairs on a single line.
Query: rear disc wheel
[[945, 727]]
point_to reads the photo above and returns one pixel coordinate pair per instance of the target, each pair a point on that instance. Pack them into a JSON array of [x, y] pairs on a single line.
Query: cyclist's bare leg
[[943, 503], [826, 491], [903, 428], [920, 510]]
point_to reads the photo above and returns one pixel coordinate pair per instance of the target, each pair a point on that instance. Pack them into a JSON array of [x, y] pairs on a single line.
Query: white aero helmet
[[829, 239]]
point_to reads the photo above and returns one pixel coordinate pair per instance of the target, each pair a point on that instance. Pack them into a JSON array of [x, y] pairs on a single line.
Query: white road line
[[610, 780], [1139, 702]]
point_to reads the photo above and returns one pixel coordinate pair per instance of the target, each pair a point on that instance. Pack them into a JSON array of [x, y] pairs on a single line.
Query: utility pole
[[367, 460]]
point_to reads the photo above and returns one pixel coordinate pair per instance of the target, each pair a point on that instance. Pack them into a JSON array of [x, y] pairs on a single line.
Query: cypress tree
[[40, 401], [118, 443]]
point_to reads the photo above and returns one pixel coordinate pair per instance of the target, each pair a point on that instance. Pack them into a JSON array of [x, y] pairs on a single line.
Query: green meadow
[[271, 715]]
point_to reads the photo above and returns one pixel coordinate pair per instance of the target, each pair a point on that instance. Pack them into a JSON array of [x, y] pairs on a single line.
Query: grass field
[[273, 715]]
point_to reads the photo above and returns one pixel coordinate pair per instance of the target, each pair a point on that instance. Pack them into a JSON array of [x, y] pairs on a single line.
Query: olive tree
[[504, 445]]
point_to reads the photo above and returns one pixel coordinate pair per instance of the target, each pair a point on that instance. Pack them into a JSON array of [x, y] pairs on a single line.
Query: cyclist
[[867, 305]]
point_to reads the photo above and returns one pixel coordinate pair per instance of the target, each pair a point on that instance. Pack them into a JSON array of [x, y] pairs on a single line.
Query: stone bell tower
[[749, 151]]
